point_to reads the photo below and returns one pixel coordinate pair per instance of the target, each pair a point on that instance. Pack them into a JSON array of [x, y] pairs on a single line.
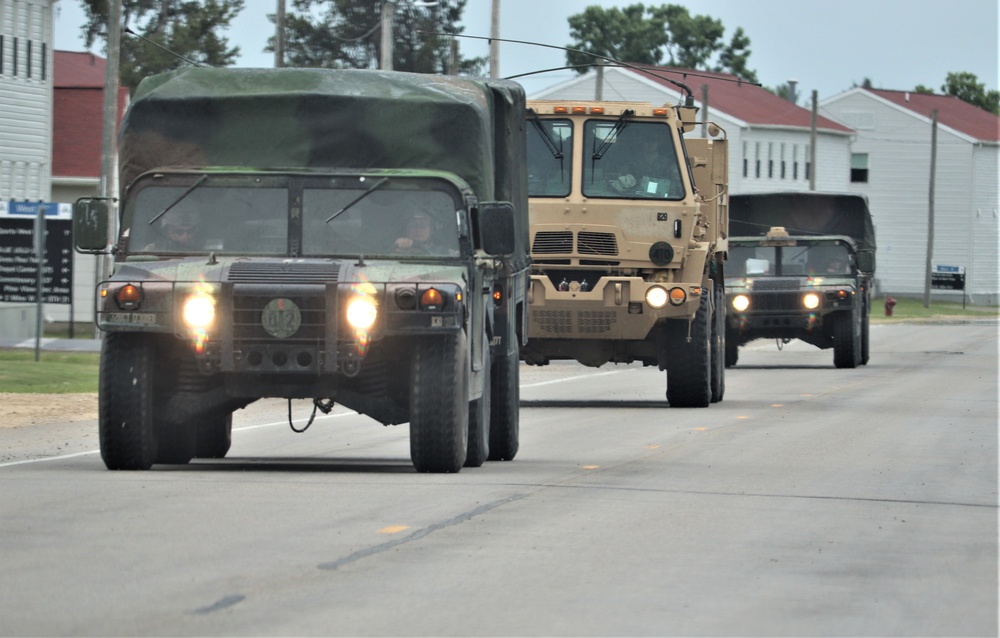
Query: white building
[[891, 163], [25, 99], [769, 137]]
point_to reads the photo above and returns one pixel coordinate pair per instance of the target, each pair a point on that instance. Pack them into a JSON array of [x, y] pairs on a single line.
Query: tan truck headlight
[[656, 297]]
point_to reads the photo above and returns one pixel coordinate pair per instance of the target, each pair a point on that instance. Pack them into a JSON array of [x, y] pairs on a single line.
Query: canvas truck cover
[[803, 213], [332, 118]]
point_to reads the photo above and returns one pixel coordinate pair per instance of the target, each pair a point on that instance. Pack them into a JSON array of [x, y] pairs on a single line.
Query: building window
[[807, 162], [859, 168], [782, 160], [44, 60], [15, 58], [757, 160], [770, 160], [1, 55], [28, 60], [746, 161]]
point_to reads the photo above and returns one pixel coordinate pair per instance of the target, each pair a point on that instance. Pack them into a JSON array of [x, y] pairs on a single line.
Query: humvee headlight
[[741, 303], [361, 313], [811, 301], [199, 311], [656, 297]]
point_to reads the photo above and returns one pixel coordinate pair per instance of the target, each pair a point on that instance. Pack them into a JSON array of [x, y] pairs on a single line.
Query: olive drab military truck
[[628, 241], [345, 236], [801, 266]]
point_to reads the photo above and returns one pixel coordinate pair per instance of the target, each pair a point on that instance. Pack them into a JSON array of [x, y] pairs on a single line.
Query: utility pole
[[388, 9], [109, 149], [599, 89], [812, 143], [930, 215], [494, 41], [279, 36]]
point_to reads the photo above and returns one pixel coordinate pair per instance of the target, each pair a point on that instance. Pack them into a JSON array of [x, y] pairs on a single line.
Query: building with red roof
[[891, 163], [78, 124]]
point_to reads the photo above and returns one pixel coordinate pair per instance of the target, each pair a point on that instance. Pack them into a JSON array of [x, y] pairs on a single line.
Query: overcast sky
[[826, 45]]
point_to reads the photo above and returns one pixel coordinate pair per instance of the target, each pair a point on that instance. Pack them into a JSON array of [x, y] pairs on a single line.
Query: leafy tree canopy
[[347, 34], [967, 87], [667, 34], [188, 28]]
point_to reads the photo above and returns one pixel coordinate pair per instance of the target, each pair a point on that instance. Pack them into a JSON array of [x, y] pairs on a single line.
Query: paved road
[[812, 501]]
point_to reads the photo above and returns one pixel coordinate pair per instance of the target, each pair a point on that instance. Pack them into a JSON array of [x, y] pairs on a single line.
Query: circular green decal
[[281, 318]]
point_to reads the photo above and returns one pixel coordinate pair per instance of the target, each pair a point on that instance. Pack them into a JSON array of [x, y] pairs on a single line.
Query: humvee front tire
[[846, 343], [478, 448], [505, 406], [689, 364], [439, 408], [125, 406]]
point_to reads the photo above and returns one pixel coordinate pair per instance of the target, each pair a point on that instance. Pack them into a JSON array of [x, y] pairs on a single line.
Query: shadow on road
[[556, 403], [280, 464]]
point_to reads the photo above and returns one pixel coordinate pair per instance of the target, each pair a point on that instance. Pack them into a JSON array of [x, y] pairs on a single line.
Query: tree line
[[163, 35]]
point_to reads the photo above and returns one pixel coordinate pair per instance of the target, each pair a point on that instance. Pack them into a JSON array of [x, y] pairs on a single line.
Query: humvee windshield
[[306, 217], [826, 260]]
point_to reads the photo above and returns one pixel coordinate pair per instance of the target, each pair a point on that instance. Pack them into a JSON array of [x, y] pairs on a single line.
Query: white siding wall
[[984, 278], [26, 99], [898, 143]]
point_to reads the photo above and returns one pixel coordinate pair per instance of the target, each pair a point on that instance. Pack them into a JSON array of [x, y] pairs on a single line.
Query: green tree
[[967, 87], [649, 35], [347, 34], [170, 34]]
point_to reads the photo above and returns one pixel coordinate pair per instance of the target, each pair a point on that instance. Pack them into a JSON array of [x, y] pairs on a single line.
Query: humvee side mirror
[[90, 225], [866, 261], [496, 228]]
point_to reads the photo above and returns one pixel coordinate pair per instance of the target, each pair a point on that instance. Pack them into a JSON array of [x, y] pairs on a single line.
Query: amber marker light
[[432, 299], [597, 110], [579, 110], [677, 296], [128, 297], [560, 110], [660, 112]]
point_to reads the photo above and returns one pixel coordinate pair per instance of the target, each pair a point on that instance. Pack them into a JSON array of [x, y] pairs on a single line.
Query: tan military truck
[[628, 226]]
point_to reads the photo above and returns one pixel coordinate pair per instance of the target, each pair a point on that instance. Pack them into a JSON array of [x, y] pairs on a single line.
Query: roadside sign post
[[949, 278]]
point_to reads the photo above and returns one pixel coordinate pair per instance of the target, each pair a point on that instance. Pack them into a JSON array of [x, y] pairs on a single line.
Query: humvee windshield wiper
[[163, 212], [556, 152], [620, 125], [358, 198]]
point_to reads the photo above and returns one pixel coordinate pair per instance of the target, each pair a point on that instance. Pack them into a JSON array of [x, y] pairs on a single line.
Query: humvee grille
[[247, 315], [549, 242], [266, 272], [777, 302]]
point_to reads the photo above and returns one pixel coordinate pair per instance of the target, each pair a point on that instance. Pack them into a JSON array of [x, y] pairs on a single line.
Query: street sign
[[18, 260], [948, 277]]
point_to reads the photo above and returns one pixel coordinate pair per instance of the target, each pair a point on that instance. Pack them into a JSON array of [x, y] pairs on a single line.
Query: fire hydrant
[[889, 304]]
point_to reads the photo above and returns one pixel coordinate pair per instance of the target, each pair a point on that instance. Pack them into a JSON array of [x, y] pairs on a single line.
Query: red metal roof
[[742, 101], [952, 112], [74, 69], [78, 114]]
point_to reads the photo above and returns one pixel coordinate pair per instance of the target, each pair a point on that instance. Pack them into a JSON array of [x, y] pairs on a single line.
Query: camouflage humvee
[[801, 267], [339, 235]]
